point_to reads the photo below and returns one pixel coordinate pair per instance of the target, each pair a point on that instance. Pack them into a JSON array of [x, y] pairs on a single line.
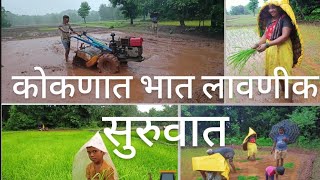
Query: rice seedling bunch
[[239, 59]]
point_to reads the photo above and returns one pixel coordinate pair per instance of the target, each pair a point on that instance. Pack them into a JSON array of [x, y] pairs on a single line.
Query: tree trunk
[[182, 23], [84, 19], [212, 20], [131, 21]]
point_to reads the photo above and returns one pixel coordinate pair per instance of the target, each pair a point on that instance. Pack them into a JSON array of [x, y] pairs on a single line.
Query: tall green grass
[[49, 155]]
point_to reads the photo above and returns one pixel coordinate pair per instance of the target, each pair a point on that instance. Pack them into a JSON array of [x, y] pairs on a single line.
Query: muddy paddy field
[[299, 164], [165, 55]]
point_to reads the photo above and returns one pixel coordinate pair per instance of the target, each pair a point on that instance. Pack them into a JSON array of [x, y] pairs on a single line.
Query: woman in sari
[[280, 38]]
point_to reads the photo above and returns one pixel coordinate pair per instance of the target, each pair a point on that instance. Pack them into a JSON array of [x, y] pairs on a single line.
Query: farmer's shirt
[[280, 144], [226, 152], [65, 27], [154, 19], [270, 171], [105, 168]]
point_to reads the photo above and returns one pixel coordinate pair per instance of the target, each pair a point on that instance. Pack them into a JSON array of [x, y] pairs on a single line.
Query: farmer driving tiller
[[107, 57]]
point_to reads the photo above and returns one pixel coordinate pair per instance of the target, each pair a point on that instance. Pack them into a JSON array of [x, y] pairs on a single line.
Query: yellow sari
[[288, 54], [250, 147], [279, 55]]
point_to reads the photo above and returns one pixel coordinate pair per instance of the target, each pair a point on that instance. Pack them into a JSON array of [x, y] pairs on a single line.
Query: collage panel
[[74, 142], [156, 52], [263, 35], [260, 142], [160, 89]]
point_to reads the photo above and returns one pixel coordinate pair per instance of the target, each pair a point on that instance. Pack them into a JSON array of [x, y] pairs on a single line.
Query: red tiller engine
[[127, 49], [136, 42]]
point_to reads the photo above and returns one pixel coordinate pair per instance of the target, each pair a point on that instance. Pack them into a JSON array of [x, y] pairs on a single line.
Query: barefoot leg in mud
[[66, 55], [203, 174]]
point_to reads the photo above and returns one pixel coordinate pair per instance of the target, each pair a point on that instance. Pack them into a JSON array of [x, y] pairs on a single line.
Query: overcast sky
[[230, 3], [41, 7]]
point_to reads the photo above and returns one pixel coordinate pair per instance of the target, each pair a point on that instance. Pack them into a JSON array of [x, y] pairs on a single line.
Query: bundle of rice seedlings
[[102, 176], [239, 59]]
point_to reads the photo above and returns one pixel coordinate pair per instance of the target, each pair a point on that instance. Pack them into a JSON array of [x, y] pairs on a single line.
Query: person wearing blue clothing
[[154, 16], [280, 146]]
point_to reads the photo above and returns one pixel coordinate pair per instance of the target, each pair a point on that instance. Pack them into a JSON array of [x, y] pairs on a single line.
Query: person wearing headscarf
[[249, 144], [93, 162], [280, 38]]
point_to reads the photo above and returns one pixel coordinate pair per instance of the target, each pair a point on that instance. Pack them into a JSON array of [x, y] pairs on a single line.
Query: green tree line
[[17, 117], [180, 10], [304, 10], [260, 118], [8, 18]]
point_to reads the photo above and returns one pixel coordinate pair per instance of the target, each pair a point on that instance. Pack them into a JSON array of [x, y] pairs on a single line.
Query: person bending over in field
[[272, 170], [226, 152]]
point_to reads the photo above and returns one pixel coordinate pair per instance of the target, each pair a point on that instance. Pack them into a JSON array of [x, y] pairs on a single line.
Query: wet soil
[[165, 55], [302, 164]]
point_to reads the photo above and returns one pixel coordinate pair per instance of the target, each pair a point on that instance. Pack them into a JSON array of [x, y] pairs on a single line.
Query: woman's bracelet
[[267, 44]]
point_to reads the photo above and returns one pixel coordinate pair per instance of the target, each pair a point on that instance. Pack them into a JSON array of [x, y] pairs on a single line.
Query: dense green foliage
[[4, 19], [84, 10], [260, 118], [108, 13], [239, 10], [180, 10], [253, 5], [52, 116], [304, 10]]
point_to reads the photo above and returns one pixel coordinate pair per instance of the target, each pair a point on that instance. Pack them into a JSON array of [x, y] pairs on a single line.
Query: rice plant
[[239, 59]]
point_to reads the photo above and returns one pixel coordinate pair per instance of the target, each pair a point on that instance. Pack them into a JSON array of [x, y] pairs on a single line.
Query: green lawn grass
[[49, 155]]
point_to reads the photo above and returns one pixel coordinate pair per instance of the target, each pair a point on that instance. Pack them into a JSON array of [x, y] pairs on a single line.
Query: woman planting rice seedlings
[[280, 38]]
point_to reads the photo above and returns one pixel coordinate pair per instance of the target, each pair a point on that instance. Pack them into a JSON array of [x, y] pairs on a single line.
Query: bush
[[19, 120]]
